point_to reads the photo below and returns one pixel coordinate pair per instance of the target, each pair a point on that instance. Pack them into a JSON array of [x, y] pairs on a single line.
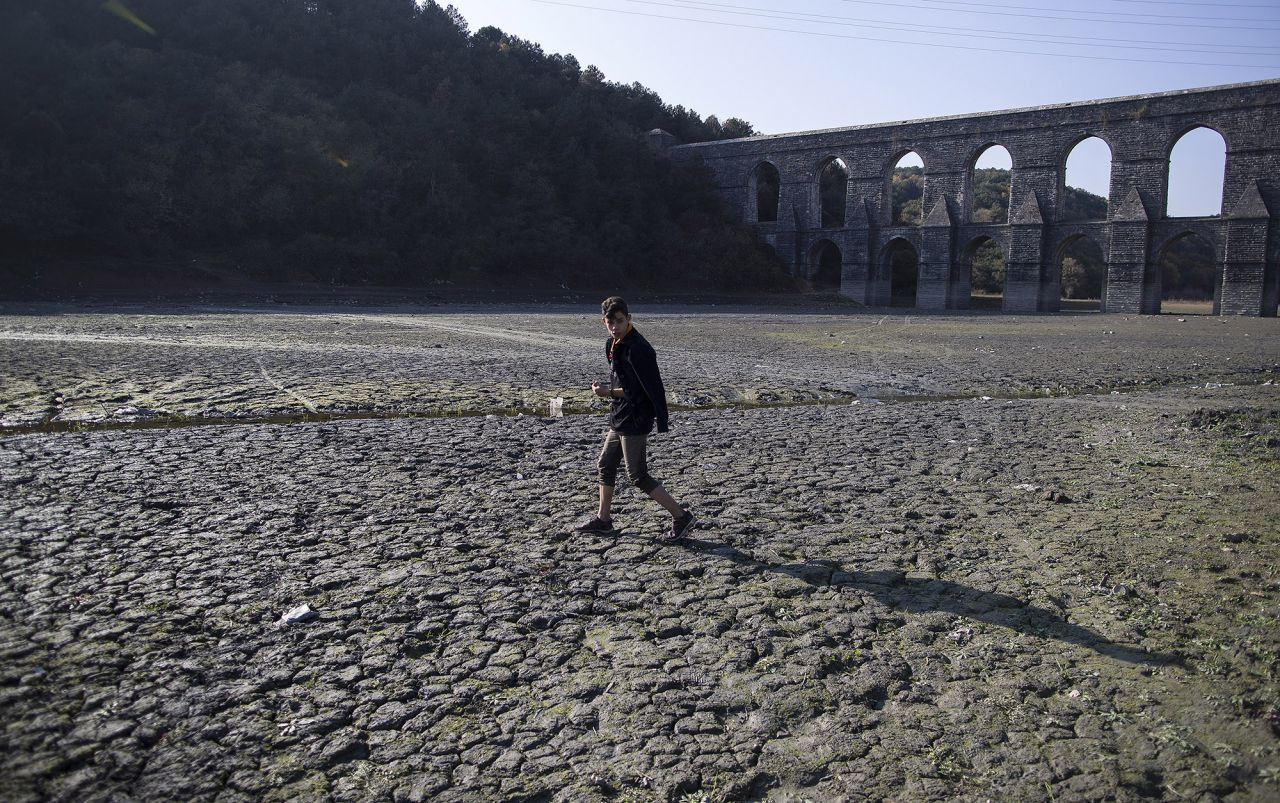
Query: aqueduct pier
[[1140, 131]]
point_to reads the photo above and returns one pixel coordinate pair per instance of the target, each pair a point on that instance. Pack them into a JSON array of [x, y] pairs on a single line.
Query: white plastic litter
[[302, 613]]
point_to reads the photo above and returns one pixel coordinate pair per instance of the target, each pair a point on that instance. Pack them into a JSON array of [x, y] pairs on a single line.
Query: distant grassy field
[[1185, 306], [1170, 306]]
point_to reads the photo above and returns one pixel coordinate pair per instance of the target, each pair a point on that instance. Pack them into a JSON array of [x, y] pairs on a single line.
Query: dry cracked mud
[[1069, 595]]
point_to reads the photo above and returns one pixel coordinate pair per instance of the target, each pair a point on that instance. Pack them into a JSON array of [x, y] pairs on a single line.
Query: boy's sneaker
[[680, 528], [596, 525]]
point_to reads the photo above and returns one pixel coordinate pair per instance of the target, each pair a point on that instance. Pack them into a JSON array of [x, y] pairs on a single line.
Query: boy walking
[[635, 386]]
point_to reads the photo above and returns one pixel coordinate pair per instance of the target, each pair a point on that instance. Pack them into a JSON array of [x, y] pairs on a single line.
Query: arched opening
[[1197, 166], [906, 190], [824, 266], [833, 187], [902, 264], [1082, 274], [764, 188], [1086, 181], [1189, 277], [989, 184], [986, 274]]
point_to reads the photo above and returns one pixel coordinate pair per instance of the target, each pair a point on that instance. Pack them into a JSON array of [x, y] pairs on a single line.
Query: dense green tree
[[907, 189], [1188, 269], [833, 186], [378, 141], [990, 195], [987, 274], [1083, 205], [904, 276]]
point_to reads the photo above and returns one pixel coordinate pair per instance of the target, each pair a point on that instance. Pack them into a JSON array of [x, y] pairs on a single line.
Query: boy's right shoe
[[596, 525], [679, 528]]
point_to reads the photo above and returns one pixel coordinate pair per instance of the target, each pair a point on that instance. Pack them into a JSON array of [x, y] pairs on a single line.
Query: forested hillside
[[377, 141]]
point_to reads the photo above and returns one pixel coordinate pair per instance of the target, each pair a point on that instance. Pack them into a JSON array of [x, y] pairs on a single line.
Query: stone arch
[[1084, 287], [1174, 178], [832, 187], [764, 184], [825, 263], [889, 211], [972, 258], [899, 265], [974, 207], [1137, 130], [1068, 209], [1191, 257]]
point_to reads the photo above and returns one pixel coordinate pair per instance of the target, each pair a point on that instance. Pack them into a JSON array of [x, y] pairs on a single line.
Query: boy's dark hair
[[613, 304]]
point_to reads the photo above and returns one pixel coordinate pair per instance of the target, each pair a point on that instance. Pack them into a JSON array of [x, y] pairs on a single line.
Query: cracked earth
[[964, 557]]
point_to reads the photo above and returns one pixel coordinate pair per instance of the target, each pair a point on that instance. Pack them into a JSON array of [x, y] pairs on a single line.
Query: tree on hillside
[[1083, 205], [990, 195], [370, 142], [907, 189]]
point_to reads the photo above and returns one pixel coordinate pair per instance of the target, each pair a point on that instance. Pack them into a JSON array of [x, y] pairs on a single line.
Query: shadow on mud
[[920, 595]]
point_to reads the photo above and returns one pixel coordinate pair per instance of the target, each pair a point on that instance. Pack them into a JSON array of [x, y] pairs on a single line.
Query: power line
[[899, 41], [1268, 6], [974, 3], [946, 30], [1067, 19]]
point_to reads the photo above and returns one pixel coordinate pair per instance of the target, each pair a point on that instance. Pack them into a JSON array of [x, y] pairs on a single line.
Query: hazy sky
[[796, 65]]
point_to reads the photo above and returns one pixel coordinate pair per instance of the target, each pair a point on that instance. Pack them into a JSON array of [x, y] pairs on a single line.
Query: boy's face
[[617, 323]]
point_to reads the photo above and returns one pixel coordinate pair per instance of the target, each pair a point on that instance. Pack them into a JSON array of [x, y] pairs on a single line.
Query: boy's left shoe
[[679, 528]]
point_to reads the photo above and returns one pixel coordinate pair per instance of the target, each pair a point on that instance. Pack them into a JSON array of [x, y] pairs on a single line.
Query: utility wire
[[1267, 6], [1067, 19], [940, 30], [974, 3], [900, 41]]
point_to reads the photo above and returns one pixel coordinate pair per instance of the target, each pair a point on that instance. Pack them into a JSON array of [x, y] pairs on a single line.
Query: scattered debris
[[302, 613], [961, 635]]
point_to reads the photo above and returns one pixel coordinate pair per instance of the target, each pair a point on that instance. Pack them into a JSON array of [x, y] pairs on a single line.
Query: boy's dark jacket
[[633, 366]]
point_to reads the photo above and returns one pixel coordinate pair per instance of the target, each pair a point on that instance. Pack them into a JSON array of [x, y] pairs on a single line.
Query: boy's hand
[[600, 390]]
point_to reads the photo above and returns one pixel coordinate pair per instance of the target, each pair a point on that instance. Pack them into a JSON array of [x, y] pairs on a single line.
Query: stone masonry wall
[[1140, 130]]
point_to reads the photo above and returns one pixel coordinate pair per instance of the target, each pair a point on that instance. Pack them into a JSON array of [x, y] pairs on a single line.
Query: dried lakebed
[[1069, 597], [68, 367]]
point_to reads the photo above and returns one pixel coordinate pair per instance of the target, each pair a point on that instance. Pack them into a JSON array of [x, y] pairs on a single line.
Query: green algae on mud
[[744, 401], [750, 400]]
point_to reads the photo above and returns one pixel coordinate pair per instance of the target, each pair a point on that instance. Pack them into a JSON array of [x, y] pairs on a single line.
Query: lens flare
[[117, 8]]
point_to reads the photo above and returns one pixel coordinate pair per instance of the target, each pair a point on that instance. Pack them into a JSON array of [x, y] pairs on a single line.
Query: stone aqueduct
[[1140, 132]]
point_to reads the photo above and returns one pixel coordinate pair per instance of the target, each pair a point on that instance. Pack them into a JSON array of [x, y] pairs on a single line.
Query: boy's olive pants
[[630, 449]]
